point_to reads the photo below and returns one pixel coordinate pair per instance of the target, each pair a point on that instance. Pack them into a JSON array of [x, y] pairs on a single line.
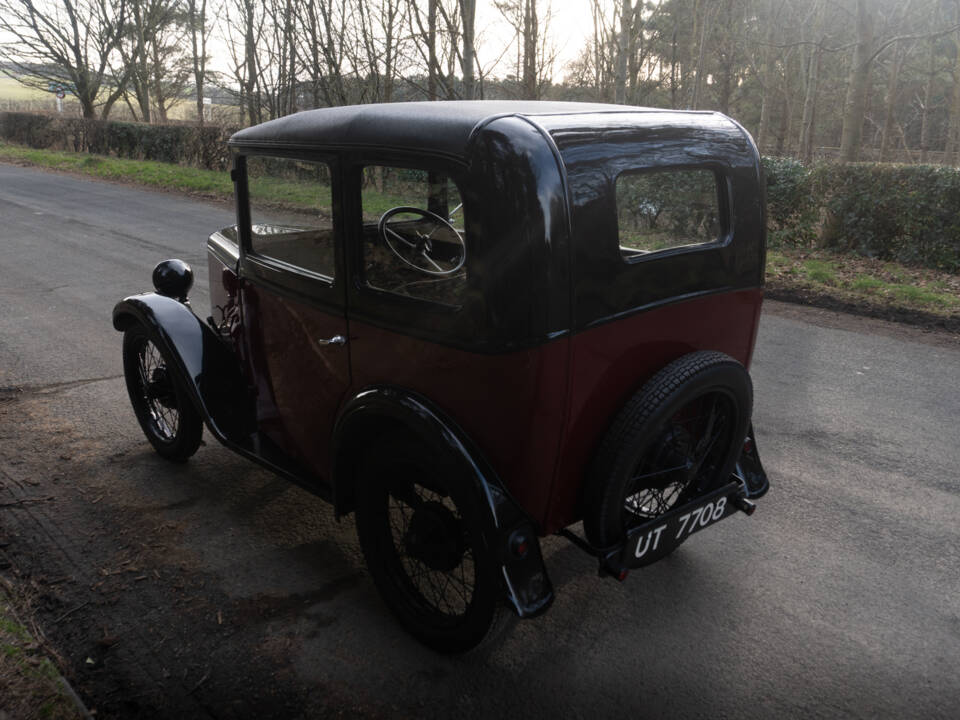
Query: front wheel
[[167, 417], [422, 536]]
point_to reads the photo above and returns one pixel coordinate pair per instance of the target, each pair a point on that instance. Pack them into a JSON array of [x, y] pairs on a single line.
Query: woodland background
[[819, 83], [853, 79]]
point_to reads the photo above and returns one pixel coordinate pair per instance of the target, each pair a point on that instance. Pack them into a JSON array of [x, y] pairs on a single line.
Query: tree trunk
[[198, 45], [858, 85], [698, 83], [531, 33], [623, 42], [927, 102], [808, 122], [893, 84], [597, 56], [783, 127], [767, 79], [158, 93], [432, 49], [953, 125], [468, 12], [673, 67], [250, 49]]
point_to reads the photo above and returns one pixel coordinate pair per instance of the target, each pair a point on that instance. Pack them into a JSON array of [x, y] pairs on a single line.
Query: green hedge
[[908, 213], [204, 147]]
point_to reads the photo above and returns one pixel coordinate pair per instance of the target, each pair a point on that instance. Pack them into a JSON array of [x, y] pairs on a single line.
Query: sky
[[570, 24]]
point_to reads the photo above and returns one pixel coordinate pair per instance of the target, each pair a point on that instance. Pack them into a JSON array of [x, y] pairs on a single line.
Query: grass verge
[[165, 176], [919, 296], [30, 685]]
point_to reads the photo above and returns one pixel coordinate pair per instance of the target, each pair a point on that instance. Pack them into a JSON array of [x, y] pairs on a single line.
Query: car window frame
[[455, 172], [278, 275], [724, 213], [450, 325]]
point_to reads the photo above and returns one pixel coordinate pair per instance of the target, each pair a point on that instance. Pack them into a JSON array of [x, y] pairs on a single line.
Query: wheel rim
[[434, 556], [157, 391], [683, 459]]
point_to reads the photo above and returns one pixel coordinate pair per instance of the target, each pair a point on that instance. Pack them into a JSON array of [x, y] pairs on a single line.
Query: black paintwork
[[434, 128], [551, 167], [750, 470], [173, 279], [596, 150], [526, 585]]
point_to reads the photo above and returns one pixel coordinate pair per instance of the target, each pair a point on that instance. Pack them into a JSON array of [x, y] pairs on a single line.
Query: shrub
[[907, 213], [204, 147]]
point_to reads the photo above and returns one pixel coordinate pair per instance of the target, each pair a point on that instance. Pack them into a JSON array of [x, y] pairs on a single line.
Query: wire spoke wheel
[[682, 461], [157, 391], [421, 532], [432, 546], [167, 417], [677, 438]]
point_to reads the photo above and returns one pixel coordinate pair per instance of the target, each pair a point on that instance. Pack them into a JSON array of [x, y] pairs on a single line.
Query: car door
[[293, 302]]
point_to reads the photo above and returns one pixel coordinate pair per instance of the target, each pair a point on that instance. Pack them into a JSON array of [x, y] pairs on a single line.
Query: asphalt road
[[214, 589]]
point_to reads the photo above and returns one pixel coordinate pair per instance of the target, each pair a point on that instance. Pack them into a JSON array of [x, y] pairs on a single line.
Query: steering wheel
[[416, 242]]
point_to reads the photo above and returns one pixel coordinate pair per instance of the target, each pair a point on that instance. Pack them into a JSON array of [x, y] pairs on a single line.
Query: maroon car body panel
[[539, 414]]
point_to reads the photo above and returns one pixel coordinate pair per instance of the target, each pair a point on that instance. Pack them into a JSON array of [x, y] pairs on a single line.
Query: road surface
[[214, 589]]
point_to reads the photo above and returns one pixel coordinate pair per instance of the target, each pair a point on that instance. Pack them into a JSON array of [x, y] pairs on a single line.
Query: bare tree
[[468, 12], [69, 43], [535, 53], [952, 147], [199, 28], [154, 56]]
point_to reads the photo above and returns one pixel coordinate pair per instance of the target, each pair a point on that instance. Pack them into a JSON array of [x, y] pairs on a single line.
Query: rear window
[[666, 209]]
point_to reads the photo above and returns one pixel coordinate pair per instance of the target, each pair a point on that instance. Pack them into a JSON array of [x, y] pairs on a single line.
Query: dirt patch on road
[[118, 550]]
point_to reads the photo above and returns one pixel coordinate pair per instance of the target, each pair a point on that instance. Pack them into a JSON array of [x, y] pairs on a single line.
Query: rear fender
[[526, 585], [205, 364], [750, 470]]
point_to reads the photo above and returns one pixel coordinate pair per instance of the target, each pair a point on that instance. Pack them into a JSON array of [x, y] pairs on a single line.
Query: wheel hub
[[160, 388], [435, 537]]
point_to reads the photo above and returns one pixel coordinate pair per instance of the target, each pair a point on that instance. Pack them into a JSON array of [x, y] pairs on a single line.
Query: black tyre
[[420, 528], [679, 436], [165, 413]]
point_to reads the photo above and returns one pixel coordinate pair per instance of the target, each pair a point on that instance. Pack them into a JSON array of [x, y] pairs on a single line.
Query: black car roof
[[443, 127]]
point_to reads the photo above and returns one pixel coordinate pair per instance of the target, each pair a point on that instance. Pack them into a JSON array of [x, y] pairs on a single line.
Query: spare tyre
[[677, 437]]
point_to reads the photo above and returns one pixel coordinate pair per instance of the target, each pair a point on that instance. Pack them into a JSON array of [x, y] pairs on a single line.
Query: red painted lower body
[[539, 414]]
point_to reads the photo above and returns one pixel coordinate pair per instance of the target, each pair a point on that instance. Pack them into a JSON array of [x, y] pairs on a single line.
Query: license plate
[[653, 540]]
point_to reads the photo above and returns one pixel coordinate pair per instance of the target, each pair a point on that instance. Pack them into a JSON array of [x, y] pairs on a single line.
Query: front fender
[[525, 582], [206, 365]]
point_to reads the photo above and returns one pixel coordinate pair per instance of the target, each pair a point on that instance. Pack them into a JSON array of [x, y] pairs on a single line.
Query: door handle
[[335, 340]]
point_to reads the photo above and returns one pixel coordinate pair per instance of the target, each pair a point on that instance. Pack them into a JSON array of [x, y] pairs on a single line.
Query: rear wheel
[[167, 417], [677, 438], [422, 536]]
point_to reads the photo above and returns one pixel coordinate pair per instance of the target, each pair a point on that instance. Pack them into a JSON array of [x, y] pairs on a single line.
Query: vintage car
[[475, 324]]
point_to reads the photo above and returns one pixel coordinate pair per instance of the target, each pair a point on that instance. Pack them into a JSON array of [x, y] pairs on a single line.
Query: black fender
[[750, 470], [526, 585], [205, 364]]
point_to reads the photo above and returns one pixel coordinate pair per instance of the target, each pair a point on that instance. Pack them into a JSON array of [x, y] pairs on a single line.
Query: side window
[[665, 209], [290, 212], [413, 234]]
